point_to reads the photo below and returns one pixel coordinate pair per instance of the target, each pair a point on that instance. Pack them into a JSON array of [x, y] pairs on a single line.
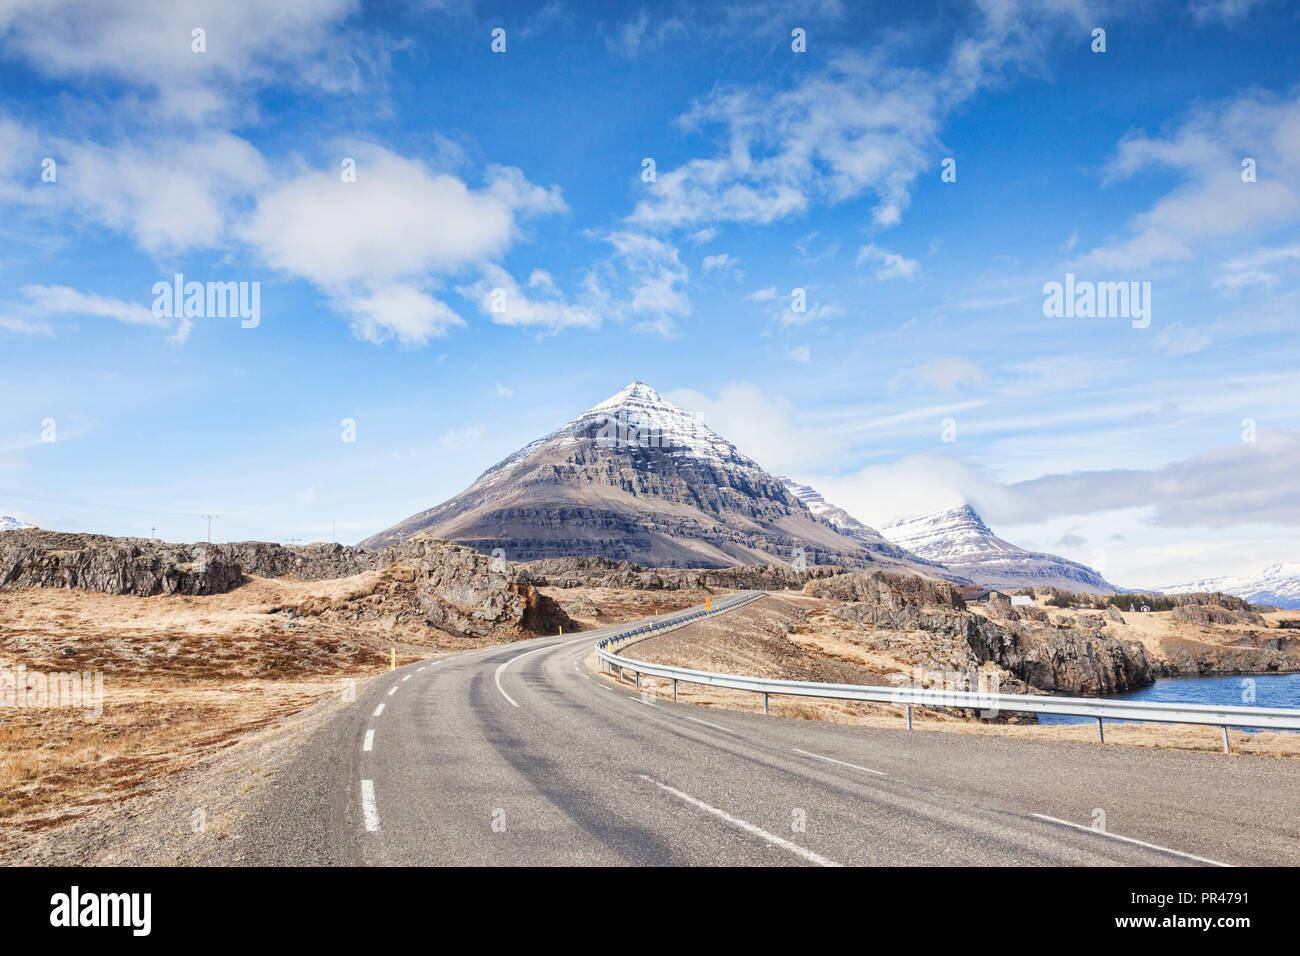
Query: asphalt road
[[520, 755]]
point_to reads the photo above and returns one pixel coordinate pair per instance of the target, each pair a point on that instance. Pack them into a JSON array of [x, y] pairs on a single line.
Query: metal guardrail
[[908, 697]]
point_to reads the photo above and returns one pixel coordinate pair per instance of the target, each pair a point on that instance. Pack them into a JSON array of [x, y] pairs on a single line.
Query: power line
[[88, 504]]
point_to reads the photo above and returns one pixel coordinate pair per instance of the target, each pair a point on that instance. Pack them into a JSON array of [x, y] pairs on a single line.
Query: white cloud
[[59, 298], [860, 126], [721, 262], [26, 326], [1256, 269], [764, 427], [640, 281], [401, 311], [943, 374], [146, 46], [801, 353], [763, 295], [1211, 202], [890, 265], [463, 438], [169, 194], [499, 297], [374, 245], [815, 312]]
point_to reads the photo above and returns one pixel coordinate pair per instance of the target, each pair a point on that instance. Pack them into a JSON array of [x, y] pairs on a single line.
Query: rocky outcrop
[[1212, 614], [304, 562], [1075, 660], [883, 589], [603, 572], [1067, 660], [458, 589], [92, 562]]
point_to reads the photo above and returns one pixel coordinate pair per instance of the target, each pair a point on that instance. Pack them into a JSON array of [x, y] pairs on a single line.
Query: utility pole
[[209, 517], [334, 536], [153, 532]]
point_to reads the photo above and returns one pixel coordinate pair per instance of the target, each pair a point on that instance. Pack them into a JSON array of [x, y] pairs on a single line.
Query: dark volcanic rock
[[92, 562], [1068, 660], [303, 562]]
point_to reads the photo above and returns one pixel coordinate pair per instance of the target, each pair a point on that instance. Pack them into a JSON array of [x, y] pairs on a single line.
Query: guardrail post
[[674, 688], [765, 702], [1225, 740], [638, 680], [1101, 734], [909, 716]]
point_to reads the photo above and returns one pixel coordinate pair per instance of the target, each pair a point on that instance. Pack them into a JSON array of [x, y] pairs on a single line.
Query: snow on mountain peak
[[1278, 585], [8, 523], [959, 539]]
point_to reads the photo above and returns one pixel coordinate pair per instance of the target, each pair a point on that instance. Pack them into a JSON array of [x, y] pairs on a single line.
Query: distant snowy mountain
[[1278, 584], [960, 540], [13, 524], [844, 522]]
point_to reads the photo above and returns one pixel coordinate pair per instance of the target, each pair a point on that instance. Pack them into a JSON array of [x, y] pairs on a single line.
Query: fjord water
[[1270, 690]]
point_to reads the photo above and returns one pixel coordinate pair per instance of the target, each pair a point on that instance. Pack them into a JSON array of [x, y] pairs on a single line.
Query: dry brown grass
[[184, 677]]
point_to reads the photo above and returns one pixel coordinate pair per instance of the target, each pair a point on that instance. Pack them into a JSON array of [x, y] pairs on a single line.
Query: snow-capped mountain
[[13, 524], [960, 540], [638, 478], [1278, 585], [841, 519]]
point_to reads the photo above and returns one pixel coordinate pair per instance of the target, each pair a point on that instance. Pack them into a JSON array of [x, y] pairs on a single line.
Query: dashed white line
[[378, 710], [407, 677], [369, 742], [697, 720], [1116, 836], [418, 669], [392, 692], [745, 825], [842, 763], [368, 809]]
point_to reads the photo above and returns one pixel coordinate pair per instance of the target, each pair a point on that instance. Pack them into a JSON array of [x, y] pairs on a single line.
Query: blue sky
[[522, 171]]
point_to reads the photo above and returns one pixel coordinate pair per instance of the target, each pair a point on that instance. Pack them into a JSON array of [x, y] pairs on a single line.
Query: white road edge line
[[392, 692], [378, 710], [745, 825], [842, 763], [369, 742], [1116, 836], [368, 808]]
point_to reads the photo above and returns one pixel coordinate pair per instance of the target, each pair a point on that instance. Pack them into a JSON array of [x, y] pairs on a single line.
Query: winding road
[[521, 755]]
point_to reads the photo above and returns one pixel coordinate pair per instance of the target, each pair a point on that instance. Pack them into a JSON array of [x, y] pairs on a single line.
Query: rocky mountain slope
[[637, 478], [1278, 585], [960, 540]]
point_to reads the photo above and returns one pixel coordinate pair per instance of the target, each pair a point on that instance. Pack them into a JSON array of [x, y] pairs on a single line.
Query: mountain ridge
[[1277, 585], [960, 540]]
